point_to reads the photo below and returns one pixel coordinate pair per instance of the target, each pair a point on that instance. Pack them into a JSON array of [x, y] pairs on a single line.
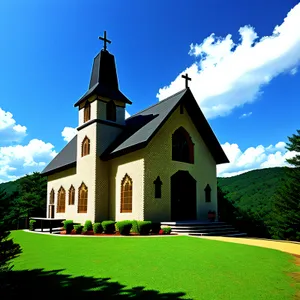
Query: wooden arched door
[[183, 197]]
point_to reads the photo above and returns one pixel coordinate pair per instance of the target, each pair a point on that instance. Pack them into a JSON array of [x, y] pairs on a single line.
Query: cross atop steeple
[[187, 79], [105, 40]]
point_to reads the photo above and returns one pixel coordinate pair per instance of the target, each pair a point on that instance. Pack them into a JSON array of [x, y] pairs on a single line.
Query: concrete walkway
[[285, 246]]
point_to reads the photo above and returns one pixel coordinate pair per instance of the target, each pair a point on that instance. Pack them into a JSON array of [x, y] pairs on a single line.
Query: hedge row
[[109, 227]]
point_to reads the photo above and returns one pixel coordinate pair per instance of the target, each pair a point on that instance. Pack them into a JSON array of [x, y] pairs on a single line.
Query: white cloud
[[280, 145], [227, 75], [253, 158], [127, 115], [16, 161], [68, 133], [245, 115], [9, 130]]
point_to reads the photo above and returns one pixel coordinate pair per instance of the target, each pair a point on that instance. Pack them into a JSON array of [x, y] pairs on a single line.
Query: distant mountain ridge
[[254, 191]]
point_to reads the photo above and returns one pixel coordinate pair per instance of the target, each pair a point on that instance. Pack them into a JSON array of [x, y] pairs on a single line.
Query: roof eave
[[59, 169], [93, 91]]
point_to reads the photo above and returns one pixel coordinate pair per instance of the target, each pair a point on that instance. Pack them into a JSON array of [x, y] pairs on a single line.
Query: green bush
[[97, 227], [68, 226], [155, 228], [78, 228], [144, 227], [124, 227], [108, 226], [32, 225], [66, 221], [134, 227], [88, 225], [167, 230]]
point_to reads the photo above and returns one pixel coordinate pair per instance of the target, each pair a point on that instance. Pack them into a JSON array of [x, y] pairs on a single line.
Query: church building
[[158, 165]]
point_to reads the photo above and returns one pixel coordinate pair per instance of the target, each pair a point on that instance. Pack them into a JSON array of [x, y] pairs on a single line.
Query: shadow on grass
[[52, 284]]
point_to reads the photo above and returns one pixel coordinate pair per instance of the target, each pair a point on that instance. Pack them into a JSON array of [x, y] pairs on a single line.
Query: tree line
[[270, 205]]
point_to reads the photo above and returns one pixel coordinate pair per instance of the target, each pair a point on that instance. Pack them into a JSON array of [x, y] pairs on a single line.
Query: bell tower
[[101, 118]]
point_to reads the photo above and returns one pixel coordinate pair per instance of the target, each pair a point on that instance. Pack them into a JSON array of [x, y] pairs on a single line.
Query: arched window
[[207, 191], [111, 111], [52, 194], [72, 195], [85, 147], [87, 112], [82, 198], [126, 195], [182, 146], [61, 200]]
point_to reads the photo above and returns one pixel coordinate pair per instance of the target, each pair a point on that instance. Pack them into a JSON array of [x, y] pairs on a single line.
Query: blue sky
[[243, 57]]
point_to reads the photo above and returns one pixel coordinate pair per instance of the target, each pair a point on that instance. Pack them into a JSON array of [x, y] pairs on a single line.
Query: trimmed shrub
[[78, 229], [32, 225], [167, 230], [68, 226], [144, 227], [134, 227], [66, 221], [155, 228], [97, 227], [88, 225], [108, 226], [124, 227]]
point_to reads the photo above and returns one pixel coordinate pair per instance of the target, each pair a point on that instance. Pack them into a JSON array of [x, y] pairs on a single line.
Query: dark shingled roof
[[104, 80], [142, 127], [66, 158]]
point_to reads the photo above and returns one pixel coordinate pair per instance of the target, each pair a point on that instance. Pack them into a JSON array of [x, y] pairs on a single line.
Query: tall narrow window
[[207, 193], [111, 111], [157, 187], [126, 195], [182, 146], [52, 194], [87, 112], [85, 147], [61, 200], [82, 198], [72, 195]]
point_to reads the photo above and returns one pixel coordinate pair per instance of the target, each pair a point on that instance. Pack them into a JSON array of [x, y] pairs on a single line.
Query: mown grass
[[178, 267]]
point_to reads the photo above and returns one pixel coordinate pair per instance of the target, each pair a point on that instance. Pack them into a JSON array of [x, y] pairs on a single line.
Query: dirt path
[[285, 246]]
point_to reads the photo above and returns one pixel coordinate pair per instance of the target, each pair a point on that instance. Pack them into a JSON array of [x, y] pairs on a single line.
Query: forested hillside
[[254, 190], [247, 200], [23, 198]]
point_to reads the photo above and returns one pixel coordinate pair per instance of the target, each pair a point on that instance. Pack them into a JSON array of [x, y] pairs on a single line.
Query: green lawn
[[178, 267]]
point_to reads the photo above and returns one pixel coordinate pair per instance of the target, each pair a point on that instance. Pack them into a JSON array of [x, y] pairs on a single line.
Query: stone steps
[[197, 228]]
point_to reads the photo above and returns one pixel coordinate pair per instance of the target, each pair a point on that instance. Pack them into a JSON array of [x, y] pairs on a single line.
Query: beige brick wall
[[133, 165], [158, 162], [66, 179]]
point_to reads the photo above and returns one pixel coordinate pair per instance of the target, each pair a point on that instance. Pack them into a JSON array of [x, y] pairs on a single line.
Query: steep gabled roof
[[142, 127], [66, 158]]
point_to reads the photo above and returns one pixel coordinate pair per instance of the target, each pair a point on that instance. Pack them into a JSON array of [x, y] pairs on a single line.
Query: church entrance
[[51, 211], [183, 197]]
